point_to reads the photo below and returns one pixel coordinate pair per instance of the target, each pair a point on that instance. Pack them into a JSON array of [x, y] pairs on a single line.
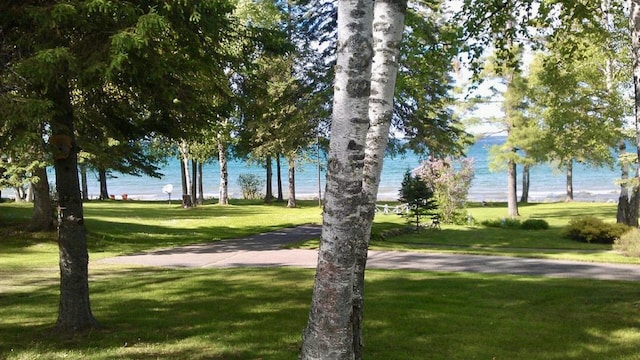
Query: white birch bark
[[291, 198], [388, 26], [223, 194], [634, 21], [329, 333]]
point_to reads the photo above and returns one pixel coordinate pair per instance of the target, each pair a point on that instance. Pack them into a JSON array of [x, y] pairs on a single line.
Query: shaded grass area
[[120, 227], [260, 314]]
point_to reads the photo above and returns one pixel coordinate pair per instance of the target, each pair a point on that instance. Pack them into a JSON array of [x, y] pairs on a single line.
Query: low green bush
[[629, 243], [506, 223], [535, 224], [590, 229]]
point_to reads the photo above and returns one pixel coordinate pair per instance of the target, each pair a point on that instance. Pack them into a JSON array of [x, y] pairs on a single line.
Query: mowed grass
[[260, 314], [153, 313]]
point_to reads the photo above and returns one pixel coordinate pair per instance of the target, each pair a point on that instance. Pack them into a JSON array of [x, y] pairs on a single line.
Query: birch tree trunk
[[569, 184], [223, 195], [291, 198], [388, 26], [634, 22], [186, 180], [329, 331], [512, 189]]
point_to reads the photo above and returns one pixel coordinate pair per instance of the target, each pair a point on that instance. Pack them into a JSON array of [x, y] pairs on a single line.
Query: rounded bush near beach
[[591, 229]]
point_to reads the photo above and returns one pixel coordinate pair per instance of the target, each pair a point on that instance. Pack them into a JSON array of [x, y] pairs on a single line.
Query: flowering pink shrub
[[450, 181]]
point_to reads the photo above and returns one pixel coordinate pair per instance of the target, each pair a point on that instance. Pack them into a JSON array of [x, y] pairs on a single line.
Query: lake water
[[547, 183]]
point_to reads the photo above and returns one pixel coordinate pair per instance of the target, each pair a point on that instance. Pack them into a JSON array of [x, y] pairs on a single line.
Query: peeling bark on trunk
[[223, 195], [388, 26], [635, 40], [74, 312], [186, 181], [569, 184], [329, 331], [42, 218], [291, 202]]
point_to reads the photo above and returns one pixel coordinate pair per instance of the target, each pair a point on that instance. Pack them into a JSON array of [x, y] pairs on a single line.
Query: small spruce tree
[[418, 196]]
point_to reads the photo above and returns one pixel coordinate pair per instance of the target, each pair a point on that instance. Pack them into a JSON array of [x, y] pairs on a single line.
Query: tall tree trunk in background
[[83, 182], [329, 331], [388, 27], [634, 22], [291, 202], [279, 179], [269, 195], [194, 182], [569, 183], [186, 181], [200, 184], [622, 215], [102, 180], [526, 178], [223, 193], [74, 312], [42, 218], [512, 189]]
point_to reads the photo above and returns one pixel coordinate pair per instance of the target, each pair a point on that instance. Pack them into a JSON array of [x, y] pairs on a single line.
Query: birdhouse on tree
[[60, 146]]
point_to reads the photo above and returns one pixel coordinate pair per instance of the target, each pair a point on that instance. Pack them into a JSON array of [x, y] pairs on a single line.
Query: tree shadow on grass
[[260, 313]]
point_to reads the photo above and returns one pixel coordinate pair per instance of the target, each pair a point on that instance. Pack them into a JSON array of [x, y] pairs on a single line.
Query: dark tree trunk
[[269, 195], [279, 179], [526, 178], [200, 185], [224, 175], [83, 182], [74, 313], [569, 196], [43, 218], [102, 179], [291, 202], [194, 182]]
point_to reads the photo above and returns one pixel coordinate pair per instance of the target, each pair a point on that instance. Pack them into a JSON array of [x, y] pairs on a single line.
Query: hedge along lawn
[[260, 314], [478, 239]]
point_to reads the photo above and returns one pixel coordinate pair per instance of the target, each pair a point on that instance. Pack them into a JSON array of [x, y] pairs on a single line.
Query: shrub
[[593, 230], [629, 243], [506, 223], [417, 194], [535, 224], [250, 185]]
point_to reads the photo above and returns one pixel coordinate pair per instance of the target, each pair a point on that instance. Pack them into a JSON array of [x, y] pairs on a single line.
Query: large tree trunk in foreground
[[42, 218], [74, 313], [388, 26], [223, 195], [329, 331], [634, 21]]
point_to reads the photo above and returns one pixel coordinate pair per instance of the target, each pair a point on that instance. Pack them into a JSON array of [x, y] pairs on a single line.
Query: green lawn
[[150, 313]]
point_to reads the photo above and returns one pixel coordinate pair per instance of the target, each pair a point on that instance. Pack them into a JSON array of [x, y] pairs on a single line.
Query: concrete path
[[266, 250]]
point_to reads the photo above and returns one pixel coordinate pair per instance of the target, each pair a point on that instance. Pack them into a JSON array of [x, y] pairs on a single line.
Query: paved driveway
[[266, 250]]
